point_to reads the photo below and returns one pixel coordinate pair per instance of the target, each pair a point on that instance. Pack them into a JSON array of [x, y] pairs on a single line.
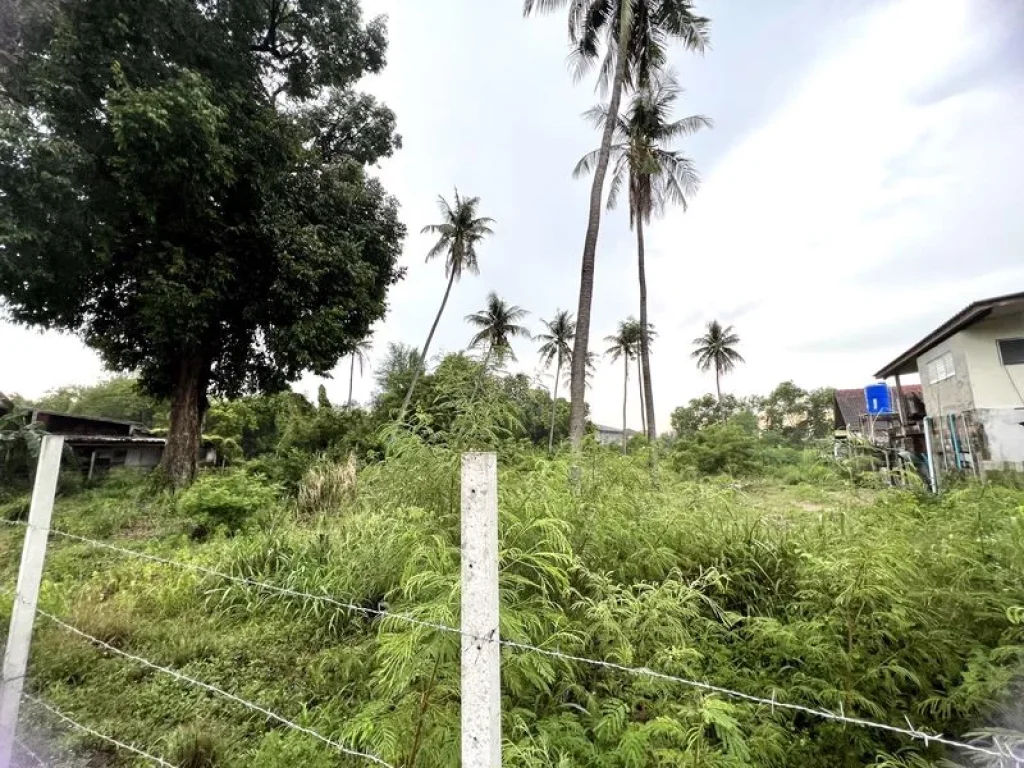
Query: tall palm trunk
[[554, 404], [625, 397], [426, 348], [645, 346], [643, 412], [351, 379], [718, 383], [578, 381]]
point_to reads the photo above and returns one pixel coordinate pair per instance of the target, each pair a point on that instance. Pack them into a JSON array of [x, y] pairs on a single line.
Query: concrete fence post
[[26, 598], [481, 652]]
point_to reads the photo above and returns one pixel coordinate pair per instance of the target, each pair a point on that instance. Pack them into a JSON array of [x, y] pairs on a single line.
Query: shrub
[[227, 500], [718, 449]]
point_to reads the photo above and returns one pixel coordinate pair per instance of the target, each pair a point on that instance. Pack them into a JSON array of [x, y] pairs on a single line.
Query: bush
[[227, 500], [718, 449]]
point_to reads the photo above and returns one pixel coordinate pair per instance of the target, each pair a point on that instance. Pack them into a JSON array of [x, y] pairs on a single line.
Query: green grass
[[882, 603]]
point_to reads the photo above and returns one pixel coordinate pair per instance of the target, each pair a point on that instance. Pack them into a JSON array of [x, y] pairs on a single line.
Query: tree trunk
[[625, 397], [426, 348], [188, 406], [645, 342], [643, 412], [351, 379], [718, 384], [578, 381], [554, 404]]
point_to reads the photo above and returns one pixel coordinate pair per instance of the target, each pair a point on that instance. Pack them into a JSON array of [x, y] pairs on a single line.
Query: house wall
[[952, 395], [994, 385], [144, 457]]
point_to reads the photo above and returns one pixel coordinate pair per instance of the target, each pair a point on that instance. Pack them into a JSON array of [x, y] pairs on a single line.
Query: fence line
[[999, 750], [86, 729], [214, 689], [25, 748]]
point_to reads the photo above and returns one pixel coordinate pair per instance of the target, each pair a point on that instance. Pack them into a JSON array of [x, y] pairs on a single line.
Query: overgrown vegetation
[[879, 603]]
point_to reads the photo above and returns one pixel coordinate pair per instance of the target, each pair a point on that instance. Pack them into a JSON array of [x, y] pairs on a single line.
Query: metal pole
[[481, 653], [26, 597], [931, 454]]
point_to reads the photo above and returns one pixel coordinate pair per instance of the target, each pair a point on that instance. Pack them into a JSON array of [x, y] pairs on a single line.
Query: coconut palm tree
[[654, 176], [498, 326], [651, 335], [624, 344], [556, 345], [631, 37], [360, 354], [460, 231], [716, 349]]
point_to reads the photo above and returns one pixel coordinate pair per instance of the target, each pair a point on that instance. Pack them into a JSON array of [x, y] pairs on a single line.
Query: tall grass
[[881, 603]]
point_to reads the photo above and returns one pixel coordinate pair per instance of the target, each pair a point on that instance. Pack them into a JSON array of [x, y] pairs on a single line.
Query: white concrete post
[[30, 575], [933, 480], [481, 653]]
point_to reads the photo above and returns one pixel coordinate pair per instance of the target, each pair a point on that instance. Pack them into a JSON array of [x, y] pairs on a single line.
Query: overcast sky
[[864, 180]]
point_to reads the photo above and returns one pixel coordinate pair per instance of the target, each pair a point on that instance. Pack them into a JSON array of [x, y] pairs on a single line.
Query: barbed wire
[[214, 689], [25, 748], [999, 750], [86, 729]]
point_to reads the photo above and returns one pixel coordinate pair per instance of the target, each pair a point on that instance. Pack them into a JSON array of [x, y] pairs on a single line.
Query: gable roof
[[973, 313], [850, 404]]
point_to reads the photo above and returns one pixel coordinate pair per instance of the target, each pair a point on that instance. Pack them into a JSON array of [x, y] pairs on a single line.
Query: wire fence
[[996, 748]]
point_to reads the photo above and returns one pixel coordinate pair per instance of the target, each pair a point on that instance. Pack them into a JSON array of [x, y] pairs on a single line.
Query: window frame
[[999, 349], [949, 370]]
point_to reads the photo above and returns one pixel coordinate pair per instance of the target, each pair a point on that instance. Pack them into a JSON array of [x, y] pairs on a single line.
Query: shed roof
[[973, 313], [851, 404]]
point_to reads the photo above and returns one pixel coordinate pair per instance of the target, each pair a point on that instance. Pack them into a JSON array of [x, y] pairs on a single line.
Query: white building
[[972, 380]]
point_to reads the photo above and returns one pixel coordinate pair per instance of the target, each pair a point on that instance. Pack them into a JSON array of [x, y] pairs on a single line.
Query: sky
[[864, 180]]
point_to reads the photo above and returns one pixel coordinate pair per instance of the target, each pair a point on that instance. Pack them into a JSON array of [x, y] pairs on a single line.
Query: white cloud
[[833, 227]]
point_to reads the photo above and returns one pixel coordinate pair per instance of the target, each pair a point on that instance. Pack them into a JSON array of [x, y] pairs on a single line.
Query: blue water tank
[[877, 399]]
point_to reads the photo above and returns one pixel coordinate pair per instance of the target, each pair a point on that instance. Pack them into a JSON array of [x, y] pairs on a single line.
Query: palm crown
[[595, 27], [655, 175], [715, 349], [557, 340], [460, 230], [498, 324]]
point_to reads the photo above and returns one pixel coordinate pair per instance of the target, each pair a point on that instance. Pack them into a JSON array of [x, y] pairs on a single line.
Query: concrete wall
[[999, 435], [994, 385], [952, 395]]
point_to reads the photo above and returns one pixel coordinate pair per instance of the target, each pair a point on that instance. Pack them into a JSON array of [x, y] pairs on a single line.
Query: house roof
[[851, 404], [79, 417], [973, 313]]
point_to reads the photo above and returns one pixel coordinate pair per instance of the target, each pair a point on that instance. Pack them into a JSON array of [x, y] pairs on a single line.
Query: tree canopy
[[184, 187]]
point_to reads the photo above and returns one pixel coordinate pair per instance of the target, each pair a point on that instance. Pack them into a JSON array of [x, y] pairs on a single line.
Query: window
[[941, 368], [1011, 351]]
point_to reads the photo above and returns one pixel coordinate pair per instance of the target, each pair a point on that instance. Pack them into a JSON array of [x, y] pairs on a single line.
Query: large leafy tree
[[459, 233], [654, 176], [184, 187], [497, 324], [716, 349], [556, 346], [624, 344], [630, 39]]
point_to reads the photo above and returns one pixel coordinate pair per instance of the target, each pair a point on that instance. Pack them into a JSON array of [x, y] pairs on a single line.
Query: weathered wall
[[145, 457], [951, 395], [994, 385], [1001, 437]]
